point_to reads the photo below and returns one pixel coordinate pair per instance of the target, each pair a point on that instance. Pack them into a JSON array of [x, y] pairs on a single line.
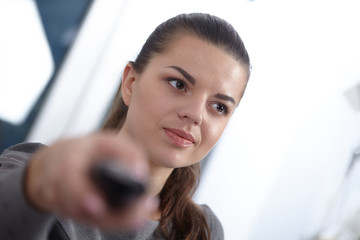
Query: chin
[[171, 161], [171, 164]]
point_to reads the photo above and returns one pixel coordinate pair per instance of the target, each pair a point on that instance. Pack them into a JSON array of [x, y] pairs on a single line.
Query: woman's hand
[[58, 180]]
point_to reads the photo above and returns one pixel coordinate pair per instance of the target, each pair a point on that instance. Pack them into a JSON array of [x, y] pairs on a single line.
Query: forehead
[[208, 64]]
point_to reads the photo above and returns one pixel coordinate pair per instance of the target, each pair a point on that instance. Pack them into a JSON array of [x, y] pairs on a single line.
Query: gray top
[[18, 220]]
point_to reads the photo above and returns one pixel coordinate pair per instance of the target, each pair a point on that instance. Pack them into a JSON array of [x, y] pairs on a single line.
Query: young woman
[[171, 108]]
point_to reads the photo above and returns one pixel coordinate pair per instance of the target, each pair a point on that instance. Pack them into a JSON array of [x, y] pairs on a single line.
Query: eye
[[178, 84], [220, 108]]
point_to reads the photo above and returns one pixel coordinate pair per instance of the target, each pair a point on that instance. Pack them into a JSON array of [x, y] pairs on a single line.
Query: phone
[[117, 185]]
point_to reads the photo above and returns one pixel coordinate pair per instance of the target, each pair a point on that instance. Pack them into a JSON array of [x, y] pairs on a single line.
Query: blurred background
[[287, 165]]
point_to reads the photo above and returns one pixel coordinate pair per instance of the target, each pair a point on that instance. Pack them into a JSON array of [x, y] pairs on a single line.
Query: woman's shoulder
[[17, 155], [24, 147], [216, 229]]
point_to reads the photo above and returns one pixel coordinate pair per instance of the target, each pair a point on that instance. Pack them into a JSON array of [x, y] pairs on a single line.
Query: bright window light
[[25, 60]]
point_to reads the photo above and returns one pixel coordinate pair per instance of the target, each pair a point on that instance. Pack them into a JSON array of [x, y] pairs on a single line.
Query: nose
[[193, 110]]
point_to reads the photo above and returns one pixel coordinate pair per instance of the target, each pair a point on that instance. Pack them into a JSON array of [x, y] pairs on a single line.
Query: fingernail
[[152, 203], [93, 205], [140, 171]]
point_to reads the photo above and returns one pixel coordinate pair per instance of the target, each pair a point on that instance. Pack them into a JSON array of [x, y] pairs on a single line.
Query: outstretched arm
[[55, 181], [18, 219]]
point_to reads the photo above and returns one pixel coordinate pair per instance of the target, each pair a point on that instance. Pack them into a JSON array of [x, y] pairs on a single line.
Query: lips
[[179, 137]]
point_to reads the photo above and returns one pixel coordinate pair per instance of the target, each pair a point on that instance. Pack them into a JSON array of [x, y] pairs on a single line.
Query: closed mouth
[[179, 137]]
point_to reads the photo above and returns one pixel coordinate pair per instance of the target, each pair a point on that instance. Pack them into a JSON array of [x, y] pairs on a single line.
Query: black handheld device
[[118, 186]]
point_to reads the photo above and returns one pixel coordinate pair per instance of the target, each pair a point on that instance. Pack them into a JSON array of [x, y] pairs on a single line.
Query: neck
[[158, 177]]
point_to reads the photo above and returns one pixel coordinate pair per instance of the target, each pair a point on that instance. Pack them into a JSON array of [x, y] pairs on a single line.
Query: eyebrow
[[184, 73], [192, 80], [225, 97]]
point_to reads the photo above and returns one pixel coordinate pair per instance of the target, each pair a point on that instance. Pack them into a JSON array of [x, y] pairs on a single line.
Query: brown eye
[[178, 84], [220, 108]]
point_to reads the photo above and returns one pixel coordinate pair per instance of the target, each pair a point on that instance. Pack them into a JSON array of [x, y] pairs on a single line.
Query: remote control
[[118, 186]]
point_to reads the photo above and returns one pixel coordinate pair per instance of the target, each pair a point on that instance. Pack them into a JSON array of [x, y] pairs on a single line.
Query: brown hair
[[181, 218]]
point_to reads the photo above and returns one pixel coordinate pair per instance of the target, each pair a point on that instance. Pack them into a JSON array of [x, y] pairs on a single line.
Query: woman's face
[[181, 103]]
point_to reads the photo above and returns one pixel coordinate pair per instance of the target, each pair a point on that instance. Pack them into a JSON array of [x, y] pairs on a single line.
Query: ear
[[127, 84]]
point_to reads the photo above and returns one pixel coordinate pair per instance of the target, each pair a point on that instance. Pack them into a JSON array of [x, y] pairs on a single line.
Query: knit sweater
[[19, 220]]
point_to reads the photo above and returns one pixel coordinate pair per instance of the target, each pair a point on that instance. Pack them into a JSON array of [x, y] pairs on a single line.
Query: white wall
[[286, 149], [289, 142]]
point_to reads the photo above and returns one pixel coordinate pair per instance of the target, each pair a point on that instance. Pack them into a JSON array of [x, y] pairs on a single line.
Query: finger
[[124, 151]]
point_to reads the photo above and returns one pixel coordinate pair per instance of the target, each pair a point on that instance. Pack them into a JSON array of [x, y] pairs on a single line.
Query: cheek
[[150, 107], [212, 134], [142, 101]]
